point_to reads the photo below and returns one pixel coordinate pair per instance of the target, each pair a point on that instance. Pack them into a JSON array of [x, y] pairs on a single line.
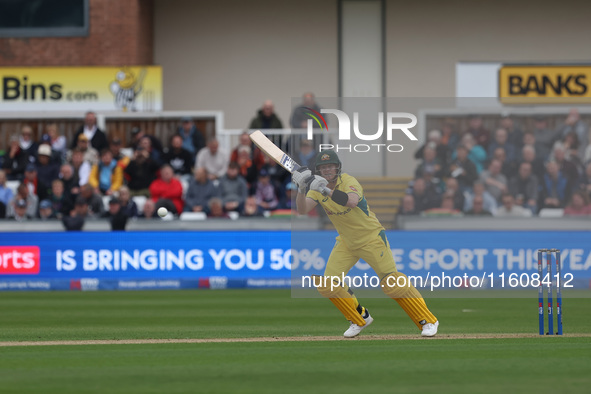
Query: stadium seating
[[139, 201], [185, 185], [12, 185], [127, 152], [106, 200], [551, 213], [193, 216]]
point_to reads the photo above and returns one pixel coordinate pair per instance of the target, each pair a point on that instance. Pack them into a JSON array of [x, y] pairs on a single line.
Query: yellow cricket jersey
[[356, 226]]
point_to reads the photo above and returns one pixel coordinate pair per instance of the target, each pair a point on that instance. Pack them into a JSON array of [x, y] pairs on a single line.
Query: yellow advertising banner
[[544, 84], [134, 88]]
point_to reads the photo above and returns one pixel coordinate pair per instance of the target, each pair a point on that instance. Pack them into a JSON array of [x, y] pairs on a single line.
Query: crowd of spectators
[[93, 176], [508, 171], [473, 171]]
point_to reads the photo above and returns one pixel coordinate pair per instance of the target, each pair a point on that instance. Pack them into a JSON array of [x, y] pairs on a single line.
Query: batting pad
[[345, 301], [408, 297]]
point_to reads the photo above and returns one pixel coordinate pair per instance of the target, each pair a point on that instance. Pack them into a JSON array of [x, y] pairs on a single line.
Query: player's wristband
[[340, 197]]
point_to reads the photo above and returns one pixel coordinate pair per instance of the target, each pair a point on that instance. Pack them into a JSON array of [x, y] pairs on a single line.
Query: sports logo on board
[[19, 260]]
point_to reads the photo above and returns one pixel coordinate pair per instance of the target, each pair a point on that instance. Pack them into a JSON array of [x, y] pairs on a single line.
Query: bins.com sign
[[137, 88]]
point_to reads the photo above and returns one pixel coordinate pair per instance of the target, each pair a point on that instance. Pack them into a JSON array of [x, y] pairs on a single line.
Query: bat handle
[[326, 191]]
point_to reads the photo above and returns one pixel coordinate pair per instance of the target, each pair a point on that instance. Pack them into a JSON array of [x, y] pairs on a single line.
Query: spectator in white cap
[[47, 171]]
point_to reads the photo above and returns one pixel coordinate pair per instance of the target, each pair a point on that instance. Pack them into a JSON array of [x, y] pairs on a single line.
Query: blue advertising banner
[[141, 260], [487, 259], [221, 259]]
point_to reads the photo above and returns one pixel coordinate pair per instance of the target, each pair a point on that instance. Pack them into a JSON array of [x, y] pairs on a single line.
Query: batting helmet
[[327, 157]]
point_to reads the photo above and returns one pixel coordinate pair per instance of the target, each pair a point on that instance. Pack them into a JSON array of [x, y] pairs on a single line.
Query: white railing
[[229, 138]]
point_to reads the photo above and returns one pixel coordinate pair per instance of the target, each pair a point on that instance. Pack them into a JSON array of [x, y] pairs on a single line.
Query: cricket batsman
[[361, 236]]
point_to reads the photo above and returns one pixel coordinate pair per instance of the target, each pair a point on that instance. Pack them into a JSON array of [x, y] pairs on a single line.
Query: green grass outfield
[[388, 362]]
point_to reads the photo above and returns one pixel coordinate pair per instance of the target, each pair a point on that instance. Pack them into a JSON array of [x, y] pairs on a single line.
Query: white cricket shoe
[[354, 329], [430, 329]]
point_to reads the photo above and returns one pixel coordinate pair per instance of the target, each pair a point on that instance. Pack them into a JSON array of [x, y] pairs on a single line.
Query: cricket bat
[[273, 151], [280, 157]]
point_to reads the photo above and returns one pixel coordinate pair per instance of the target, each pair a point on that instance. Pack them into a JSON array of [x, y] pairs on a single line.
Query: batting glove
[[301, 178], [319, 184]]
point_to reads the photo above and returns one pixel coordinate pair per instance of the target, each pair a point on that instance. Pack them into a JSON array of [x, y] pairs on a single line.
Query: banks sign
[[531, 84]]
